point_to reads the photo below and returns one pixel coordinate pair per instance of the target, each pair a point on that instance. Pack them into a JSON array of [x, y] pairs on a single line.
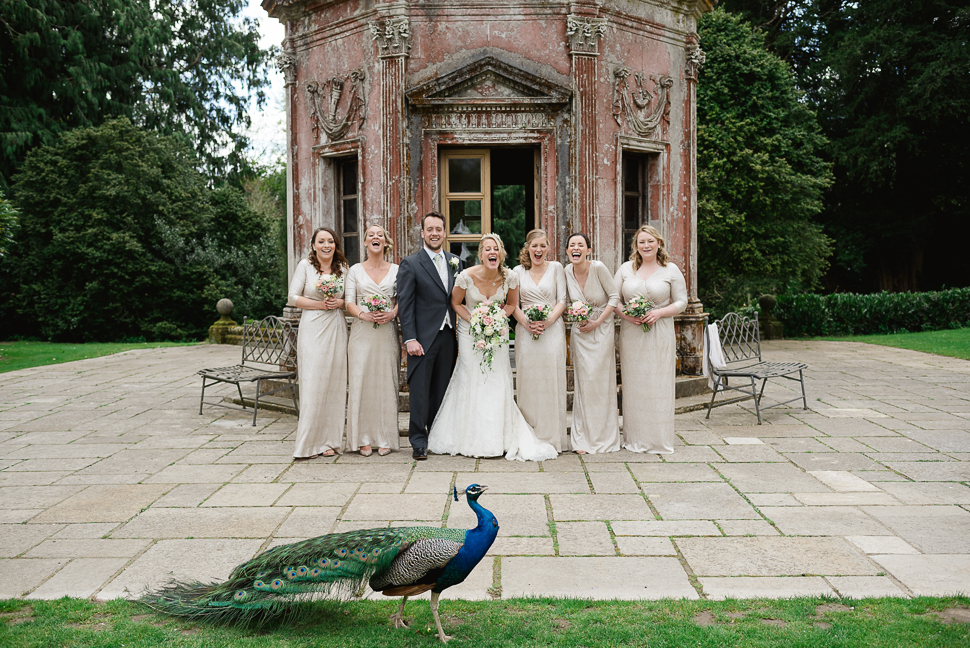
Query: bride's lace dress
[[478, 417]]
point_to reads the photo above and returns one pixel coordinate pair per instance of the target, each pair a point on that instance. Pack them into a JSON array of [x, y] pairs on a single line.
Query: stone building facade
[[504, 115]]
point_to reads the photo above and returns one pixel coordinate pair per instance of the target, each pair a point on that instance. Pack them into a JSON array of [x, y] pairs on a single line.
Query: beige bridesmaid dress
[[596, 426], [321, 350], [374, 358], [540, 365], [648, 360]]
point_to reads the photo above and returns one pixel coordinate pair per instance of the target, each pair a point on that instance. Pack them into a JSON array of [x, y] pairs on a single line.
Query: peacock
[[404, 561]]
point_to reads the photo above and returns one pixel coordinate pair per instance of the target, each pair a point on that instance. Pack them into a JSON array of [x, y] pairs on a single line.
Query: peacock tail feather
[[330, 566]]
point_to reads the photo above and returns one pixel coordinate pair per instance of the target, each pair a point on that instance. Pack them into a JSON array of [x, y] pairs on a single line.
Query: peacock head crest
[[473, 491]]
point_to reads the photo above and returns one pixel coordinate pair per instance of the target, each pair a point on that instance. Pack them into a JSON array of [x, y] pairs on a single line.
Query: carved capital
[[584, 34], [286, 63], [694, 58], [392, 35]]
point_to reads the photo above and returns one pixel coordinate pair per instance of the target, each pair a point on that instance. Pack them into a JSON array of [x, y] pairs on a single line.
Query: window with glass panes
[[347, 205], [635, 194]]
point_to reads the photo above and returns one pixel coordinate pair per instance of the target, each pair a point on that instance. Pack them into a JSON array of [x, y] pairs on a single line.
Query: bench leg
[[801, 379], [256, 404], [293, 393], [757, 399], [717, 383], [202, 398], [242, 401]]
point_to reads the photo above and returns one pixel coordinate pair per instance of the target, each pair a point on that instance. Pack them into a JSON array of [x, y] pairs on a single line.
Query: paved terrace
[[111, 481]]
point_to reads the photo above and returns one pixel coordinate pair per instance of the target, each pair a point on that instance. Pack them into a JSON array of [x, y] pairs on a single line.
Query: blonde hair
[[524, 257], [502, 254], [388, 241], [662, 256]]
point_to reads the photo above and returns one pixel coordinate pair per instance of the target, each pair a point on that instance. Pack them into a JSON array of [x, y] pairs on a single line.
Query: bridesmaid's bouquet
[[330, 285], [376, 304], [579, 312], [638, 307], [537, 313], [489, 328]]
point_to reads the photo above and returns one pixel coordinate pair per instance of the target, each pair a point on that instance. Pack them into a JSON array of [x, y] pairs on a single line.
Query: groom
[[424, 283]]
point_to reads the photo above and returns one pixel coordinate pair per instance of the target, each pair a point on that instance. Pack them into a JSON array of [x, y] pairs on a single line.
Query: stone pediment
[[488, 82]]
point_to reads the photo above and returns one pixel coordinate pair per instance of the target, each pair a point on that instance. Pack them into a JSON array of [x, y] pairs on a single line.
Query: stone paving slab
[[110, 481]]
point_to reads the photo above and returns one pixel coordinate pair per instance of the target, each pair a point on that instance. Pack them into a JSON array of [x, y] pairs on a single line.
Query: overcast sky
[[268, 130]]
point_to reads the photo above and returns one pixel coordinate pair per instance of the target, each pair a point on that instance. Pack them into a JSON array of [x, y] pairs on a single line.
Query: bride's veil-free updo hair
[[524, 257], [502, 254]]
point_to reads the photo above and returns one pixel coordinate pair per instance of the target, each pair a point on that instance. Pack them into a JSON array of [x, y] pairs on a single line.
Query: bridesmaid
[[541, 364], [648, 360], [321, 349], [373, 353], [595, 419]]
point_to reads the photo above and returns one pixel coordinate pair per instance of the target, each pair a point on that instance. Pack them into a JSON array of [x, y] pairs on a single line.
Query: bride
[[478, 417]]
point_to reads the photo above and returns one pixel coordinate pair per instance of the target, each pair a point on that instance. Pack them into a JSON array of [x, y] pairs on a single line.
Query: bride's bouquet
[[376, 304], [537, 313], [330, 284], [579, 312], [638, 307], [489, 328]]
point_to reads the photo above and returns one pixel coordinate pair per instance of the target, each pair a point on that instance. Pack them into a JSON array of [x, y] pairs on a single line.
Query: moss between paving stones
[[867, 623]]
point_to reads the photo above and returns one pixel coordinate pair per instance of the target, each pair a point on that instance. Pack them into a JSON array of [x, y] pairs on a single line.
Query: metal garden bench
[[270, 341], [740, 341]]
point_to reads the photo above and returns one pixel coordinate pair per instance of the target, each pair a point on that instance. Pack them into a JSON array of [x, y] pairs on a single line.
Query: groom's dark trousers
[[423, 302]]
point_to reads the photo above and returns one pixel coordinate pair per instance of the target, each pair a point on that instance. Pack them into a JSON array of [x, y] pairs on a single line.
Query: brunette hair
[[524, 257], [339, 260], [432, 214], [662, 256], [580, 235], [388, 242]]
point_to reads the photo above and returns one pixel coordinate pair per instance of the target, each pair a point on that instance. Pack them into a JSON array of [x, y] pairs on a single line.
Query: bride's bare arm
[[512, 302], [457, 297]]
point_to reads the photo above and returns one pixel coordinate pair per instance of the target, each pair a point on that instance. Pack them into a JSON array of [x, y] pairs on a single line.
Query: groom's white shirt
[[444, 259]]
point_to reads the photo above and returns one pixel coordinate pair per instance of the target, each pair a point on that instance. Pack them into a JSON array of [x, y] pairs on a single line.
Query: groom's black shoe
[[419, 455]]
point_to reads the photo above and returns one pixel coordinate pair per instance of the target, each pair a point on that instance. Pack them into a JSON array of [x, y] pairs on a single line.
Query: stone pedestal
[[689, 328]]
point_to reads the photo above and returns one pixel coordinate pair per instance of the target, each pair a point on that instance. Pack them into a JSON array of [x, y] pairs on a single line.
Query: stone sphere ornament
[[224, 307]]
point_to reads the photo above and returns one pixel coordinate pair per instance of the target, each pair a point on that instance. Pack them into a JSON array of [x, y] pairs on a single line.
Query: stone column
[[584, 33], [286, 62], [393, 39], [690, 324]]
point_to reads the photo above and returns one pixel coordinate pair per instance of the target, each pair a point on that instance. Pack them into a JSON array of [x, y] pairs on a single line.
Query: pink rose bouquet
[[537, 313], [489, 329], [579, 311], [376, 304], [638, 307], [330, 285]]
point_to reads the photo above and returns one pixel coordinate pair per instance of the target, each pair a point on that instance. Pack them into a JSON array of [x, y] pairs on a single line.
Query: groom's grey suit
[[423, 301]]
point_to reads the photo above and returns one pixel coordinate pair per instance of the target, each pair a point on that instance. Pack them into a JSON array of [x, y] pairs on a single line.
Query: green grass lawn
[[21, 355], [953, 342], [800, 622]]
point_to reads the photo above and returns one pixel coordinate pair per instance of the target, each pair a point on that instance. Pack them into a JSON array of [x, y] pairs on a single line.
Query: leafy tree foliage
[[760, 177], [181, 67], [889, 81], [8, 224], [121, 237]]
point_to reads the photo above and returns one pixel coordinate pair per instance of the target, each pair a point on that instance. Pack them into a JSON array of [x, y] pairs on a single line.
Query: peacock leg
[[398, 617], [434, 611]]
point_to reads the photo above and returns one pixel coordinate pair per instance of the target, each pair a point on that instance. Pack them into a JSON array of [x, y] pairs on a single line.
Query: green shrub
[[853, 314]]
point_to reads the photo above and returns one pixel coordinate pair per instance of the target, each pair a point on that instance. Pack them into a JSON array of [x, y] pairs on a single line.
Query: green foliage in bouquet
[[853, 314], [121, 237]]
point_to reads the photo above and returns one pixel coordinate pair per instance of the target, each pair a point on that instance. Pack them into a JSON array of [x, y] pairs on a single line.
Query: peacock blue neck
[[482, 536]]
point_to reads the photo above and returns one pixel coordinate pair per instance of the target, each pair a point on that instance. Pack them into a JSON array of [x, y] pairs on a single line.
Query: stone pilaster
[[286, 63], [690, 325], [393, 39], [584, 33]]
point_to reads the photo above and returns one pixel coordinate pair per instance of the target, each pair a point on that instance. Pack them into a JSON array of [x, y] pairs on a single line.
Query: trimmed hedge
[[853, 314]]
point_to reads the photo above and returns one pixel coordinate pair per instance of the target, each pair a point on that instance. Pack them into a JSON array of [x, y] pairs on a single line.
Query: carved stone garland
[[634, 103], [324, 99]]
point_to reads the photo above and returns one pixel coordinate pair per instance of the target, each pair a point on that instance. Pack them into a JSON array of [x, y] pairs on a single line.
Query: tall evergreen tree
[[182, 67]]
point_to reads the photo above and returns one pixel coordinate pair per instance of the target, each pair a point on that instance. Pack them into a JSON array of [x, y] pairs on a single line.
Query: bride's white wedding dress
[[478, 417]]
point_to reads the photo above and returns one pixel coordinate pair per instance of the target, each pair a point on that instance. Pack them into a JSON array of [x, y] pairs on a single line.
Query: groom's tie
[[439, 263]]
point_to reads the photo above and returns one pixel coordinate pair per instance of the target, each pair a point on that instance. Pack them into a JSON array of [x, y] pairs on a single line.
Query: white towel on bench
[[713, 355]]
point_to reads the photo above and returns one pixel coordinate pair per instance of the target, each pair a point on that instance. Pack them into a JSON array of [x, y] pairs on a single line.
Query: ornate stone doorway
[[488, 190]]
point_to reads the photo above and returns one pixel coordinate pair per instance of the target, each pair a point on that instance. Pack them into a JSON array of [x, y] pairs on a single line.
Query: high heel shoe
[[383, 452], [366, 453]]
